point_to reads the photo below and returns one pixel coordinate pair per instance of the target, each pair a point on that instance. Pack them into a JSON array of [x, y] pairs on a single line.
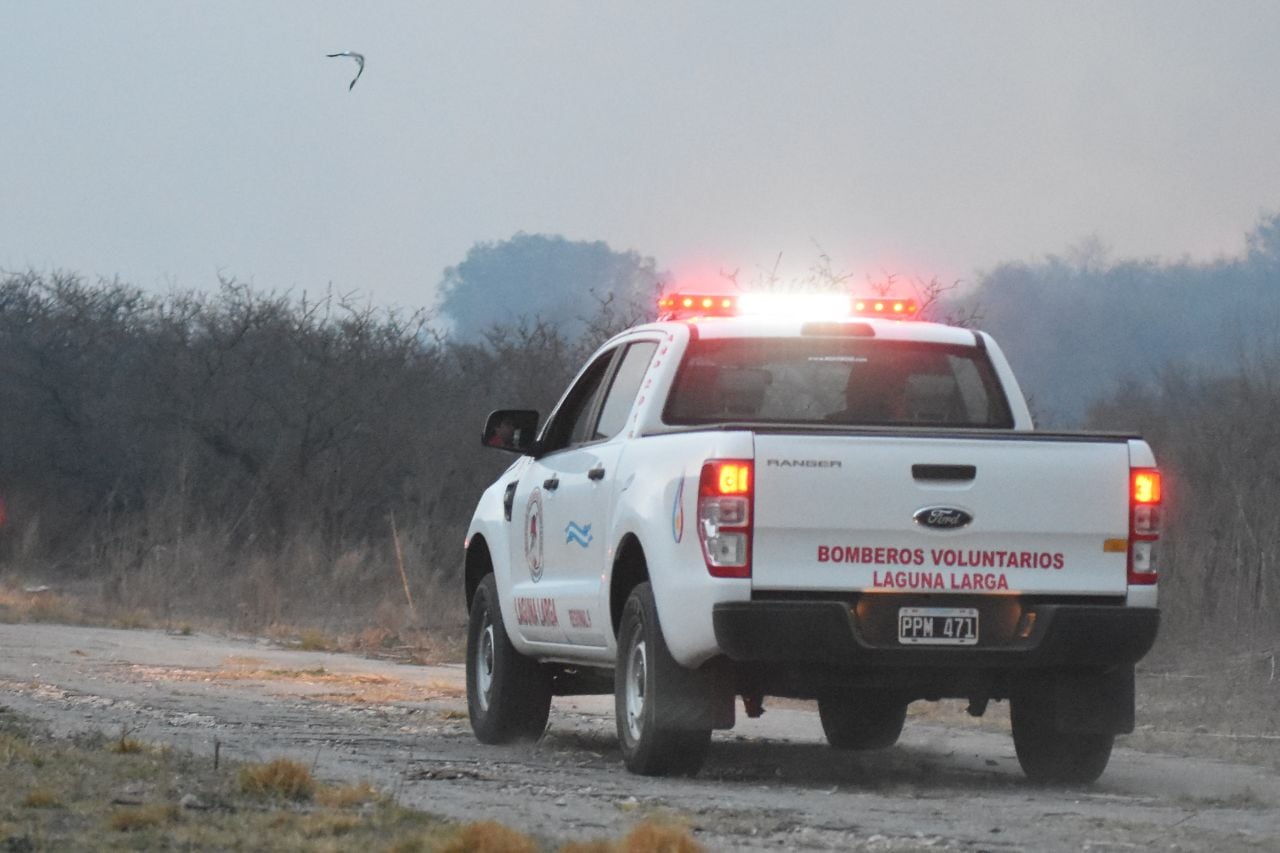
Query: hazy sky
[[168, 142]]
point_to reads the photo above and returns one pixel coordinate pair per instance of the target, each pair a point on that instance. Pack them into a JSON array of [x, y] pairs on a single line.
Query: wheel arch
[[629, 570], [476, 565]]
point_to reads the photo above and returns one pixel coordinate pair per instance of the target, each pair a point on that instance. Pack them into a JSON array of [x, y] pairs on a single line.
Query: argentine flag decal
[[677, 512]]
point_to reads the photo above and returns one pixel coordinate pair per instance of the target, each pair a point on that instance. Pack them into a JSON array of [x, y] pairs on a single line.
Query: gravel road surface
[[769, 784]]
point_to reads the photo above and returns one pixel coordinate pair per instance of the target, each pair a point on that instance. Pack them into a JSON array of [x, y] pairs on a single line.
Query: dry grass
[[137, 818], [281, 778], [42, 798], [651, 836], [17, 604], [58, 794], [126, 745], [16, 749], [488, 837]]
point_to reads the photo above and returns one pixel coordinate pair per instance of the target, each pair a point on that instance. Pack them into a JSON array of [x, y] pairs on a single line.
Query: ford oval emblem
[[942, 517]]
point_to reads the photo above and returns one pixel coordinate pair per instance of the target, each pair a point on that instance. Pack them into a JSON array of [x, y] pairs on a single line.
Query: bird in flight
[[358, 57]]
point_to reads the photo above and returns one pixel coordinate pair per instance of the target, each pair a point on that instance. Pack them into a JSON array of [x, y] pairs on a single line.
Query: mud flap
[[693, 699], [1093, 701]]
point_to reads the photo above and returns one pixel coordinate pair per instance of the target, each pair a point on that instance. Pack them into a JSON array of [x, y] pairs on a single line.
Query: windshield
[[835, 381]]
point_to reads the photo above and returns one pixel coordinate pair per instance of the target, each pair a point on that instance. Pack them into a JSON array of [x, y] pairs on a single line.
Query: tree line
[[274, 456], [256, 452], [1077, 325]]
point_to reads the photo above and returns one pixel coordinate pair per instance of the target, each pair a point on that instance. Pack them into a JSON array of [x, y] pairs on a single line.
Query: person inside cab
[[874, 394]]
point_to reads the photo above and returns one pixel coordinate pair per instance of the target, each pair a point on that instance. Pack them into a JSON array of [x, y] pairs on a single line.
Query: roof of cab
[[794, 327]]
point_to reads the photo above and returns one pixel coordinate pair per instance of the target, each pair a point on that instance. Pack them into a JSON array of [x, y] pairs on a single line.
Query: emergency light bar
[[695, 306]]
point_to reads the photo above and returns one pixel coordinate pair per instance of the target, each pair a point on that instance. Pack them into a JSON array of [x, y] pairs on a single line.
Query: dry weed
[[41, 798], [278, 779], [315, 640], [653, 837], [126, 745], [15, 748], [144, 817], [488, 837], [329, 825]]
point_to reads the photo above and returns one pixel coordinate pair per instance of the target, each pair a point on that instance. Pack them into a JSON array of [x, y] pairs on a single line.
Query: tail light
[[726, 490], [1145, 506]]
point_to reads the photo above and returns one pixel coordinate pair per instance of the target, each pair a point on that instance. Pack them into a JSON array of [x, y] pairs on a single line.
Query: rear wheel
[[508, 694], [1049, 755], [861, 721], [648, 749]]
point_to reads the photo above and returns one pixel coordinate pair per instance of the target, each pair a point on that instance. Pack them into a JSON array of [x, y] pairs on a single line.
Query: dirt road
[[770, 783]]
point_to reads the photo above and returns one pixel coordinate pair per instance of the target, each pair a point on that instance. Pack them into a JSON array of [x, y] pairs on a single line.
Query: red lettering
[[824, 553], [1057, 561], [547, 612], [526, 612]]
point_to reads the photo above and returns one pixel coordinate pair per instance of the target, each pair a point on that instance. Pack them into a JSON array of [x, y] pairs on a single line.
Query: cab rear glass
[[837, 381]]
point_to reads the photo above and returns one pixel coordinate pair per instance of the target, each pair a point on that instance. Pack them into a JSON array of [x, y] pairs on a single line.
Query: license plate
[[938, 626]]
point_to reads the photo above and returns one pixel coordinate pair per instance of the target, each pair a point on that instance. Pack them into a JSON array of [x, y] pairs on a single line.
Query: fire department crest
[[533, 535]]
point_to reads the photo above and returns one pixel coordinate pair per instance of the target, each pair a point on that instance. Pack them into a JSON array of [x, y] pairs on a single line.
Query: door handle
[[551, 484], [955, 473], [596, 473]]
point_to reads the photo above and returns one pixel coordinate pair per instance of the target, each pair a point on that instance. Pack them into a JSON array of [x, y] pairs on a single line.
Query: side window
[[569, 424], [623, 390]]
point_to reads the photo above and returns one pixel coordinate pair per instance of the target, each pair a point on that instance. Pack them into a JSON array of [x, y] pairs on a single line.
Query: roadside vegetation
[[303, 467], [116, 793]]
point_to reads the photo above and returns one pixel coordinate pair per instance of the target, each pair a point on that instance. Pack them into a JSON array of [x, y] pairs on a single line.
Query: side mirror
[[513, 430]]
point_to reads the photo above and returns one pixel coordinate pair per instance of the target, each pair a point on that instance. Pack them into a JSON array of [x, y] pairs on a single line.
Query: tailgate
[[840, 513]]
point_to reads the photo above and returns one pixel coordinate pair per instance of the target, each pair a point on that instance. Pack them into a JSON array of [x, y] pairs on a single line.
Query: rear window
[[833, 381]]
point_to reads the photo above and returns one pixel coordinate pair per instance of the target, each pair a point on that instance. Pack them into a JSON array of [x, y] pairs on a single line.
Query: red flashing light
[[1145, 488], [726, 478], [680, 306], [725, 498], [902, 309], [1145, 500]]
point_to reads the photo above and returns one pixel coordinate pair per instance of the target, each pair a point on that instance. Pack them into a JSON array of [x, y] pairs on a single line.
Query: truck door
[[565, 499], [580, 511], [538, 579]]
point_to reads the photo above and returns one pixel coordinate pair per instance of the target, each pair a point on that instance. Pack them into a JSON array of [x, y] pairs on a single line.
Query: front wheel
[[508, 694], [1049, 755], [648, 749], [861, 721]]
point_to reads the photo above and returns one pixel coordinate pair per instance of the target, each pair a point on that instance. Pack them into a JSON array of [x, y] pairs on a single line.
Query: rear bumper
[[863, 634]]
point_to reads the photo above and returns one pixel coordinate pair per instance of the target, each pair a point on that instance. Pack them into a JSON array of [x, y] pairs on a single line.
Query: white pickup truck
[[737, 500]]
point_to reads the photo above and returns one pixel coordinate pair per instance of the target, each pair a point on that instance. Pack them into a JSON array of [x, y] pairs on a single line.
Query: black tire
[[508, 694], [861, 721], [648, 749], [1051, 756]]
